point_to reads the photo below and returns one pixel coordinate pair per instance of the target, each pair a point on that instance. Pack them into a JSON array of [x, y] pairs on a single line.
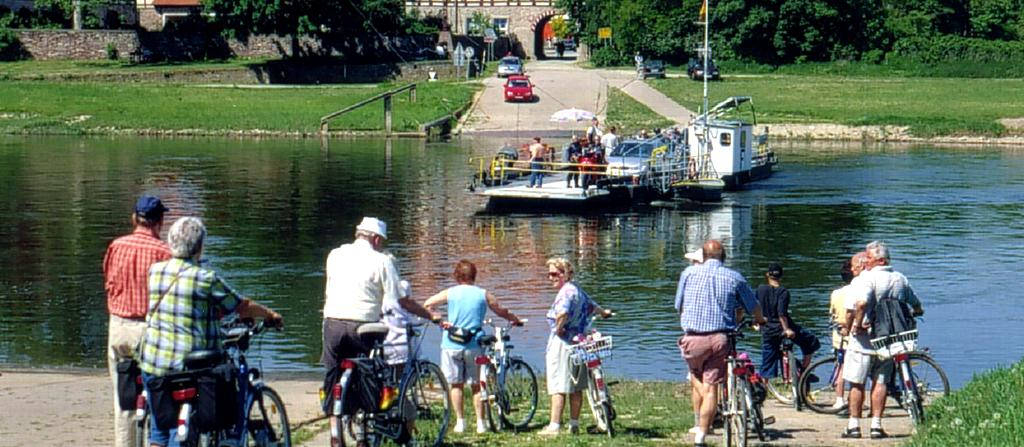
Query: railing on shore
[[479, 3], [386, 96]]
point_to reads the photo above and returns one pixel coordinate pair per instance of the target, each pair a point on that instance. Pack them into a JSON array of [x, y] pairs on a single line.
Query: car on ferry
[[518, 88], [510, 66], [632, 157]]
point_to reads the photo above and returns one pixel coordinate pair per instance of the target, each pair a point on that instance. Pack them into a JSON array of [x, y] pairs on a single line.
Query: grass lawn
[[89, 107], [929, 106], [649, 414], [987, 411], [629, 115]]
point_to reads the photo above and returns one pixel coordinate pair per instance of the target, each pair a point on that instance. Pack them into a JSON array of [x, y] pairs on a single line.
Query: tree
[[241, 18], [478, 22], [560, 27]]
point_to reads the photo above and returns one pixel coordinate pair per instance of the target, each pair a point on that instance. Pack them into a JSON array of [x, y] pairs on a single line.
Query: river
[[275, 208]]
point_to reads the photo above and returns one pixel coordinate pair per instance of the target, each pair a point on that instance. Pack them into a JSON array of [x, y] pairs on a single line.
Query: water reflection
[[276, 208]]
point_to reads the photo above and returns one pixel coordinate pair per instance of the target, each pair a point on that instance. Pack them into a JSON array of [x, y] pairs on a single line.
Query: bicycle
[[507, 383], [588, 351], [261, 419], [784, 387], [914, 388], [821, 396], [740, 408], [374, 401]]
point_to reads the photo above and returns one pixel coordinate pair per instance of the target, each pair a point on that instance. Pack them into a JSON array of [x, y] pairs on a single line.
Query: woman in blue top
[[467, 306], [568, 317]]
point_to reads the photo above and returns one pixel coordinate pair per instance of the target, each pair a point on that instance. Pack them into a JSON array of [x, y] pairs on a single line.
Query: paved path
[[561, 85]]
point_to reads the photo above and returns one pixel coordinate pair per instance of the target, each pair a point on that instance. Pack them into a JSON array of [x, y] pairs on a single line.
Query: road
[[560, 84]]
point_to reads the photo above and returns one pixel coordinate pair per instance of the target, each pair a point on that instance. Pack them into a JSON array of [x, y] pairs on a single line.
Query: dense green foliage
[[779, 32], [313, 17], [988, 411]]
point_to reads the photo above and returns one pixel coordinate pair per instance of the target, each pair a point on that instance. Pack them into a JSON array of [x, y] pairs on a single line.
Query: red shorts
[[705, 355]]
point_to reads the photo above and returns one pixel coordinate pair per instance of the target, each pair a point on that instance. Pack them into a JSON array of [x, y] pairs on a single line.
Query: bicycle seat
[[488, 340], [372, 333], [206, 358]]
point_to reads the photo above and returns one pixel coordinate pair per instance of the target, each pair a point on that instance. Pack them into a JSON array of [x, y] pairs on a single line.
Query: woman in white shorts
[[467, 306], [568, 317]]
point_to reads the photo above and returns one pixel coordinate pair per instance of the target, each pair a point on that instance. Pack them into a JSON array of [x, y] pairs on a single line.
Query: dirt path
[[68, 407], [812, 429]]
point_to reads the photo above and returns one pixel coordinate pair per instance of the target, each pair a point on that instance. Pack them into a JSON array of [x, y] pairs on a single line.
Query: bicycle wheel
[[911, 399], [268, 421], [425, 404], [350, 427], [600, 411], [820, 396], [738, 420], [493, 405], [794, 378], [781, 386], [519, 395], [930, 379], [755, 418]]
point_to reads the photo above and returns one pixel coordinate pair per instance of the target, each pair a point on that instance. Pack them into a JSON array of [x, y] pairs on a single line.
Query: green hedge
[[960, 49]]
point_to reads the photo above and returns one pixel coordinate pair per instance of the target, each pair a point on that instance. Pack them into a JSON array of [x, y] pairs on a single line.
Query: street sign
[[490, 36], [470, 52], [459, 56], [604, 33]]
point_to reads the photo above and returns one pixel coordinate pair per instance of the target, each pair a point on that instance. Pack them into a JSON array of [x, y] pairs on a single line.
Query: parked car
[[695, 69], [518, 88], [652, 69], [510, 65]]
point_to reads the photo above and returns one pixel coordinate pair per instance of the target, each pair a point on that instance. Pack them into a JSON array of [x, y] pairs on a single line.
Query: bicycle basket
[[891, 345], [590, 349]]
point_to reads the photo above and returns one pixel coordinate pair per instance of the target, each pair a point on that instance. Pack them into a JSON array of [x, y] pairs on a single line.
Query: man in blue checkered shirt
[[710, 298]]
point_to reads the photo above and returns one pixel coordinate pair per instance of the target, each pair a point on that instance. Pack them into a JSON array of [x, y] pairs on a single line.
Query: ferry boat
[[737, 155]]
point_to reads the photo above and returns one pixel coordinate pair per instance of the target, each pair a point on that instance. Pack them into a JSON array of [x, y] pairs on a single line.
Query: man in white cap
[[361, 278]]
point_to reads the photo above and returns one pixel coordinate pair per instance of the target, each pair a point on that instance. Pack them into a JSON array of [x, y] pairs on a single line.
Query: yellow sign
[[604, 33]]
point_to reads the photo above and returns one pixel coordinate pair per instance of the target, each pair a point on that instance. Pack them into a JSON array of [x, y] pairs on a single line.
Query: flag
[[703, 10]]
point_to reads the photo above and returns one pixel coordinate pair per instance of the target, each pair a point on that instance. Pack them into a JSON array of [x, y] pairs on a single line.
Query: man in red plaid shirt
[[125, 276]]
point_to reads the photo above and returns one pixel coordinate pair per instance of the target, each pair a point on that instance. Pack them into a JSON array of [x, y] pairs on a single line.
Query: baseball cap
[[774, 270], [695, 255], [374, 225], [150, 207]]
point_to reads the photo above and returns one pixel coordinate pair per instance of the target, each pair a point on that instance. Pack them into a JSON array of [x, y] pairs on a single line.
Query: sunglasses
[[554, 274]]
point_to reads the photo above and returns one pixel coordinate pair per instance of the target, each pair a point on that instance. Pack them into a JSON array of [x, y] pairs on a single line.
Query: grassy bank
[[629, 115], [35, 69], [987, 411], [928, 106], [45, 107]]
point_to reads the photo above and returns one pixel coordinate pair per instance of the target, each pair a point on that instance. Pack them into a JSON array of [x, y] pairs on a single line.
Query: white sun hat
[[374, 225], [697, 255]]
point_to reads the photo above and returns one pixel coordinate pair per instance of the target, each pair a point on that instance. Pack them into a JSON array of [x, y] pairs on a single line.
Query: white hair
[[878, 250], [186, 237]]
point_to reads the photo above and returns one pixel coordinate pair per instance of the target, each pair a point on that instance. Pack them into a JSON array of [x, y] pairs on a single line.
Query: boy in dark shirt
[[774, 299]]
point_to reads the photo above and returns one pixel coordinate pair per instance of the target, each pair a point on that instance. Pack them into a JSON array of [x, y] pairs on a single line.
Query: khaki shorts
[[705, 355], [563, 377], [857, 366], [459, 366]]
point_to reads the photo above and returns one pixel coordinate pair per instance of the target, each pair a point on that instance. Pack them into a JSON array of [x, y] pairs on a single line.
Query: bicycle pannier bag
[[891, 317], [217, 404], [162, 401], [363, 388], [128, 386]]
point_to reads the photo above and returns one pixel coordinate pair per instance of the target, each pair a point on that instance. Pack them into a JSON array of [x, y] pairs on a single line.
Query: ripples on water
[[275, 208]]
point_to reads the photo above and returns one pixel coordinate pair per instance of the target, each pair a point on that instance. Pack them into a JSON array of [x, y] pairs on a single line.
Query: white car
[[510, 65]]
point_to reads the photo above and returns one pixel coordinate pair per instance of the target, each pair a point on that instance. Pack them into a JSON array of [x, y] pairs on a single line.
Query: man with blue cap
[[125, 278]]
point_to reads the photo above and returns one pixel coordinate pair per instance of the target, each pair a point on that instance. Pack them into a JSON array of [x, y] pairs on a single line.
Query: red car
[[518, 88]]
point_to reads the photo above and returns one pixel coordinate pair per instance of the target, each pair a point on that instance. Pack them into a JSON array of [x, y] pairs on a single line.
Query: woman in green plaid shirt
[[186, 302]]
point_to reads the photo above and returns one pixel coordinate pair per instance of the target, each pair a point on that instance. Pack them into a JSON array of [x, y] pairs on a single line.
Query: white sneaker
[[839, 404], [693, 430], [549, 430], [460, 427], [481, 427]]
